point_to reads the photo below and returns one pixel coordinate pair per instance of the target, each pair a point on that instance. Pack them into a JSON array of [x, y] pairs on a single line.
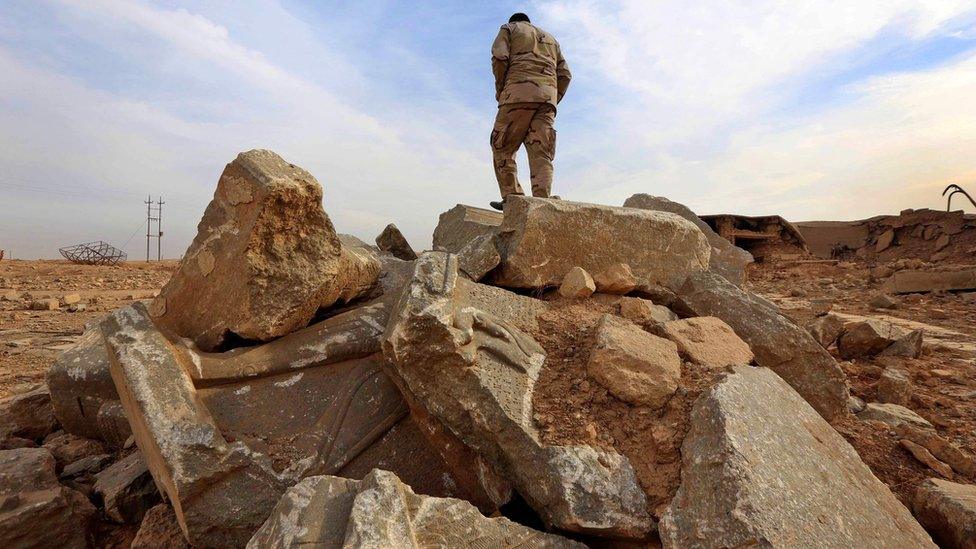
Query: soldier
[[531, 77]]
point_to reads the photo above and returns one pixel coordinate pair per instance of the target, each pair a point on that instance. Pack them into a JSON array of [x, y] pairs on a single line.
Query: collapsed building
[[579, 373]]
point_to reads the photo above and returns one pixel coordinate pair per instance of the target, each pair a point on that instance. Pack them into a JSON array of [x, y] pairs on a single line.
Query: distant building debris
[[93, 253], [765, 237]]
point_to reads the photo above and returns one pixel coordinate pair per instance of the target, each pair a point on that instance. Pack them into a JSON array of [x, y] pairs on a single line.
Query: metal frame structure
[[93, 253], [956, 189]]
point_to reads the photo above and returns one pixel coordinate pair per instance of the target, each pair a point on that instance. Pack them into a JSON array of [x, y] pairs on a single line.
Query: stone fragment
[[907, 281], [945, 451], [71, 299], [866, 338], [9, 295], [761, 468], [77, 308], [645, 312], [160, 528], [883, 301], [894, 387], [826, 329], [86, 466], [942, 242], [577, 284], [382, 511], [820, 307], [885, 241], [775, 341], [67, 448], [922, 454], [265, 258], [725, 259], [908, 345], [456, 354], [392, 240], [461, 224], [36, 511], [708, 341], [27, 414], [543, 239], [45, 305], [892, 414], [127, 489], [633, 365], [80, 383], [948, 511], [617, 279], [113, 425], [479, 257]]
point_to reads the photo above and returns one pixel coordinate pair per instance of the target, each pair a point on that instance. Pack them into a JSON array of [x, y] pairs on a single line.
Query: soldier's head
[[519, 17]]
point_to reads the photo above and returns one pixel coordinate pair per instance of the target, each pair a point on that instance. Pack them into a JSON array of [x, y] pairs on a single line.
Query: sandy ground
[[944, 377]]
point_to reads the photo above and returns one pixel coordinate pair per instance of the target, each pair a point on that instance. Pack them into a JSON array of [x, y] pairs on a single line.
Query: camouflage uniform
[[531, 77]]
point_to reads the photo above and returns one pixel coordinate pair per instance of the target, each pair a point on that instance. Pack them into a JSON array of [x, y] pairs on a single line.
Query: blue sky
[[811, 109]]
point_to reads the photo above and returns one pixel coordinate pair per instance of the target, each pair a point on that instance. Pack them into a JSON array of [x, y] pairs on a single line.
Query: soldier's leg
[[540, 143], [511, 125]]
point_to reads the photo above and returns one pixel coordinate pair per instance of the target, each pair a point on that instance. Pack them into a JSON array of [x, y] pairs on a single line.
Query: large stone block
[[907, 281], [382, 511], [726, 259], [80, 384], [708, 341], [777, 342], [633, 365], [948, 511], [761, 468], [36, 510], [867, 338], [543, 239], [461, 224], [265, 258], [456, 352]]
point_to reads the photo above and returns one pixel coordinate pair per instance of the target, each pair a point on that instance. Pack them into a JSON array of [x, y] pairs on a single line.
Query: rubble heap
[[579, 373]]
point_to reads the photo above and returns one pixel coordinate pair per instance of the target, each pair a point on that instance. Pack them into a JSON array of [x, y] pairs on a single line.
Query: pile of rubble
[[563, 374]]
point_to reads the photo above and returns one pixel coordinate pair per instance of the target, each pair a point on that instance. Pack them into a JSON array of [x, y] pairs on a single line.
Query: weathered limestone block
[[707, 341], [633, 365], [616, 279], [725, 260], [892, 414], [577, 284], [461, 224], [761, 468], [866, 338], [265, 258], [36, 511], [478, 257], [908, 281], [908, 345], [27, 414], [543, 239], [392, 240], [948, 511], [455, 351], [922, 454], [127, 489], [894, 386], [777, 343], [80, 383], [826, 329]]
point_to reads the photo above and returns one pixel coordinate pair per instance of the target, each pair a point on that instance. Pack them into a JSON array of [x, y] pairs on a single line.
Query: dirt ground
[[944, 377]]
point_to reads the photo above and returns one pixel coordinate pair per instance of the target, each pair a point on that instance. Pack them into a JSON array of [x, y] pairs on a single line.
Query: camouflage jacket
[[528, 65]]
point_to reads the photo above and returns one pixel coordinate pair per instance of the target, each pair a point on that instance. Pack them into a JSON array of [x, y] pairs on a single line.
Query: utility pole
[[158, 210]]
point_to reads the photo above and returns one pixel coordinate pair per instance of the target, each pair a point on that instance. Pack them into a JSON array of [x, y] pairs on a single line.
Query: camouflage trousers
[[529, 124]]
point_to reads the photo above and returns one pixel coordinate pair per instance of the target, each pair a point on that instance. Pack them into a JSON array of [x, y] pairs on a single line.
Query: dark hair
[[519, 17]]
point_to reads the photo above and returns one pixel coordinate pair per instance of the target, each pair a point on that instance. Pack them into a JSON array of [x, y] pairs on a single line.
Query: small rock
[[45, 305], [909, 345], [577, 284], [892, 414], [865, 338], [881, 272], [826, 329], [10, 295], [67, 448], [885, 241], [644, 312], [28, 415], [633, 365], [855, 404], [948, 511], [127, 489], [392, 240], [77, 308], [820, 307], [894, 387], [708, 341], [926, 458], [618, 279], [942, 242], [70, 299], [883, 301]]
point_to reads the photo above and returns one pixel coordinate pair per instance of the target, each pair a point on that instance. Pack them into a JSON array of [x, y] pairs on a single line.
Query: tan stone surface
[[160, 528], [826, 329], [462, 224], [708, 341], [577, 284], [618, 279], [265, 258], [633, 365], [644, 311], [392, 240]]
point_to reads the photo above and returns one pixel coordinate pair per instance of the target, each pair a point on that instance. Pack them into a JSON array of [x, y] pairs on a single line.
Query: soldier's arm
[[499, 59], [563, 76]]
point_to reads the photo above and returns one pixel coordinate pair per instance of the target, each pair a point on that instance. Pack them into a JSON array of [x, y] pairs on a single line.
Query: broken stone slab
[[894, 387], [479, 257], [826, 329], [960, 461], [913, 281], [725, 259], [885, 241], [867, 338], [382, 511], [461, 224], [127, 489], [455, 351], [577, 284], [543, 239], [923, 455], [776, 342], [265, 258], [948, 511], [708, 341], [159, 528], [36, 510], [27, 414], [908, 345], [392, 240], [761, 468], [633, 365], [892, 414]]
